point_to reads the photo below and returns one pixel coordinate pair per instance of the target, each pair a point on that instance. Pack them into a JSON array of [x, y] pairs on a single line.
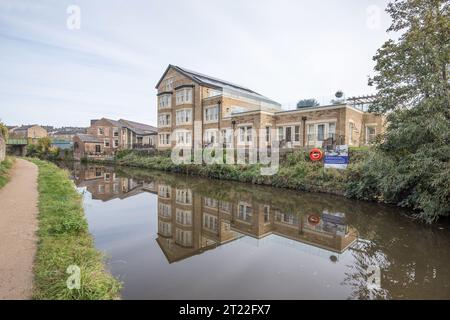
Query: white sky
[[285, 50]]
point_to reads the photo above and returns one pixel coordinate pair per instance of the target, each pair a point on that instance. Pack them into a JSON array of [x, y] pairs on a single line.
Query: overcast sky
[[285, 50]]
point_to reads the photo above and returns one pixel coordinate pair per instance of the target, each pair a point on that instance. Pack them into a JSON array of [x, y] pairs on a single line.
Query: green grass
[[5, 166], [64, 240]]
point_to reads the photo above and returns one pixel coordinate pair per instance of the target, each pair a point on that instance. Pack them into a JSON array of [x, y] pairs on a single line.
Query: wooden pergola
[[362, 102]]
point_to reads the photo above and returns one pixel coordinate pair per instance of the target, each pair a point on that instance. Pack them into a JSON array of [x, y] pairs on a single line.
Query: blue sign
[[337, 158]]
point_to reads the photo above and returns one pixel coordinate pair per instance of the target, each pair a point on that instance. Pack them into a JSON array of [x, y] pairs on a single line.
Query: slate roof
[[209, 81], [88, 138], [138, 128]]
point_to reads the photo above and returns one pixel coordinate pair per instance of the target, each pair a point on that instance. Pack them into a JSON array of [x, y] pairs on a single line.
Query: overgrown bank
[[64, 240], [368, 177], [295, 172], [5, 167]]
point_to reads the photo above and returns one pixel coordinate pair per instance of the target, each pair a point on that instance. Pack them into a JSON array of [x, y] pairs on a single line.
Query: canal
[[177, 237]]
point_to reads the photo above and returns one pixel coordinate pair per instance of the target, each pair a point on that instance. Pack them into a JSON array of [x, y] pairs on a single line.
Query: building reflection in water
[[191, 222]]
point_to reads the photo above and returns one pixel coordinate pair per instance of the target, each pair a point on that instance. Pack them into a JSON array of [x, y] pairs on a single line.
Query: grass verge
[[5, 166], [64, 240]]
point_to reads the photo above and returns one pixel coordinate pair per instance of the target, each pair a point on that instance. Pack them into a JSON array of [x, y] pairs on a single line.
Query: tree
[[3, 130], [410, 167], [305, 103]]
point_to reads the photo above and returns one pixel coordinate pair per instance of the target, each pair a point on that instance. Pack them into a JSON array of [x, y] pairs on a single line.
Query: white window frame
[[183, 116], [244, 210], [183, 96], [351, 128], [167, 120], [212, 133], [315, 132], [106, 143], [165, 141], [243, 134], [183, 196], [164, 210], [211, 117], [210, 222], [165, 101], [183, 137], [184, 217], [100, 131]]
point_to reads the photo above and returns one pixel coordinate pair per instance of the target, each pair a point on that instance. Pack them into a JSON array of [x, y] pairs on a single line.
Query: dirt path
[[18, 224]]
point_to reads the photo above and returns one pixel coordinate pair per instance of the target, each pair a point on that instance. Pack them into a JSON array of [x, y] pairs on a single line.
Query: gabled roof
[[212, 82], [139, 128]]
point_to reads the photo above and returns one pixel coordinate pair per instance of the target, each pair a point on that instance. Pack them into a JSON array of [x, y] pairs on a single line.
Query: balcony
[[142, 146]]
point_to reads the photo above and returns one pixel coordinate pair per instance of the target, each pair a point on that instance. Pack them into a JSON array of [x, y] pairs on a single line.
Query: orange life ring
[[315, 154], [314, 220]]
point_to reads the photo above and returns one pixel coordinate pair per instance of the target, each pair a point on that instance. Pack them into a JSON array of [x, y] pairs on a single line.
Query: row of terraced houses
[[196, 110]]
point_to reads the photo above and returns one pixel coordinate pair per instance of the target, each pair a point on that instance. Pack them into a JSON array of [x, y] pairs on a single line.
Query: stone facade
[[33, 132], [105, 137], [197, 110]]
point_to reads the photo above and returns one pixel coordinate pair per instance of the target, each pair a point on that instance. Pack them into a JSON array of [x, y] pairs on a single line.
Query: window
[[183, 237], [266, 214], [211, 136], [184, 96], [332, 130], [370, 134], [320, 132], [297, 133], [183, 137], [115, 132], [101, 131], [225, 206], [212, 114], [164, 191], [106, 143], [164, 210], [210, 202], [245, 134], [165, 101], [184, 196], [184, 217], [101, 188], [98, 148], [351, 127], [210, 222], [164, 120], [164, 139], [280, 134], [245, 212], [168, 84], [107, 176], [184, 116], [267, 134], [116, 143], [165, 228]]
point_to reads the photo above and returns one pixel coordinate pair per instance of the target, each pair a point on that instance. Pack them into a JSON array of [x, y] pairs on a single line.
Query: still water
[[177, 237]]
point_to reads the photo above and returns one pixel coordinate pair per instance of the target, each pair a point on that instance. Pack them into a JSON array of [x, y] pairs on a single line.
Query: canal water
[[177, 237]]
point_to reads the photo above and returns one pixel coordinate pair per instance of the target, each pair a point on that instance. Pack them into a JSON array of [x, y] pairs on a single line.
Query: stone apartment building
[[237, 116], [105, 137]]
